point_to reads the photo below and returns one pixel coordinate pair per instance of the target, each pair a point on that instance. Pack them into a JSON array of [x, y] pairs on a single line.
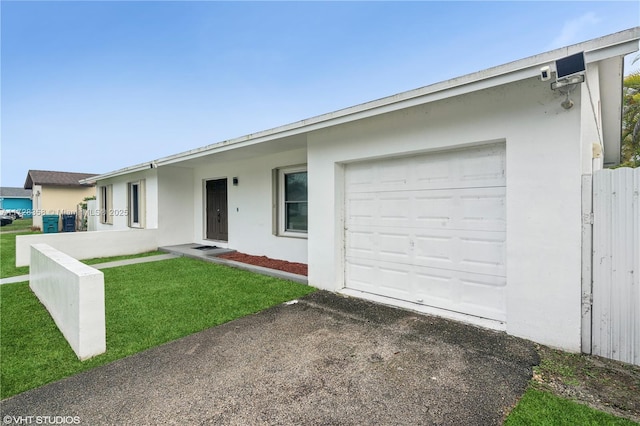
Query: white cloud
[[573, 29]]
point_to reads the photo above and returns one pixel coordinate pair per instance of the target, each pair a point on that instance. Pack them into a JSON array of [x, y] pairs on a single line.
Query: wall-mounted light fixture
[[235, 181], [569, 73]]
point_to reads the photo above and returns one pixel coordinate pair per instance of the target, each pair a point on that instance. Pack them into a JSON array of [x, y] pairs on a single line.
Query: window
[[106, 204], [136, 204], [292, 201]]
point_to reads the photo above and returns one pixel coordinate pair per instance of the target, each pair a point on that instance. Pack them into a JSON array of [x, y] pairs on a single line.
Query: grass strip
[[18, 225], [542, 408], [146, 305], [8, 256]]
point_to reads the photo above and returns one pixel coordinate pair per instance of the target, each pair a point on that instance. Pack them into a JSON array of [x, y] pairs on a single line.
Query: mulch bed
[[267, 262]]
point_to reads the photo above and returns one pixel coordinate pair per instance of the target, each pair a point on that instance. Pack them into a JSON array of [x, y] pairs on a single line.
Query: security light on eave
[[569, 71], [570, 65]]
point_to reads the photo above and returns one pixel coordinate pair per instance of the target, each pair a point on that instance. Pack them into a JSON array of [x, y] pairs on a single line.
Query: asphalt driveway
[[324, 360]]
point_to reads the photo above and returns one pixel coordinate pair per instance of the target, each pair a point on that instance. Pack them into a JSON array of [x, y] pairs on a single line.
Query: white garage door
[[430, 229]]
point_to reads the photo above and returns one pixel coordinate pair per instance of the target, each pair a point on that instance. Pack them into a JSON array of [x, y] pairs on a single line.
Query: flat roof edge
[[520, 69]]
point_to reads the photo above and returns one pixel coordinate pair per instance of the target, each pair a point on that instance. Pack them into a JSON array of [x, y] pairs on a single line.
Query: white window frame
[[140, 202], [106, 204], [281, 202]]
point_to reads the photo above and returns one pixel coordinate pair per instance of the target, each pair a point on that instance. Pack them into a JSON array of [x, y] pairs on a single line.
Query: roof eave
[[620, 43]]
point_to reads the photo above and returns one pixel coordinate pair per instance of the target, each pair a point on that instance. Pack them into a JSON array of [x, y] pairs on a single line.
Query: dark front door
[[217, 210]]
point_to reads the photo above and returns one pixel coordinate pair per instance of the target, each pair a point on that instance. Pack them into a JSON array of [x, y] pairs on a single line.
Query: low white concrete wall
[[73, 293], [88, 245]]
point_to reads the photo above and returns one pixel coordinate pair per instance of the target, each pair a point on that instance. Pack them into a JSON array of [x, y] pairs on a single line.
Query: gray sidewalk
[[105, 265], [186, 250]]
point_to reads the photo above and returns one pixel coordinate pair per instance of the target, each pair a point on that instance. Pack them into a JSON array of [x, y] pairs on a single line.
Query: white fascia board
[[131, 169], [620, 43]]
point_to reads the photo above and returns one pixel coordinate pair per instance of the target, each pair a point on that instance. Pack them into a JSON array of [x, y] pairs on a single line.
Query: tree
[[631, 120]]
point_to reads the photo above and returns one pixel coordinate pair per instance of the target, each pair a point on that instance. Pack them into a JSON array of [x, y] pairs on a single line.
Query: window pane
[[296, 217], [135, 203], [103, 204], [295, 186]]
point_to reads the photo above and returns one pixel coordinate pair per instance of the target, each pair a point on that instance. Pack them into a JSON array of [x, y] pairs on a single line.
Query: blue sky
[[96, 86]]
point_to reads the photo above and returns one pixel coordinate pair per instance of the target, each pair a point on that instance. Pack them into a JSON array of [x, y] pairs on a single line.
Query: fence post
[[587, 259]]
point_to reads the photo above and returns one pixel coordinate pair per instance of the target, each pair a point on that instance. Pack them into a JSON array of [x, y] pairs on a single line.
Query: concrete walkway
[[322, 360], [105, 265], [187, 250], [211, 253]]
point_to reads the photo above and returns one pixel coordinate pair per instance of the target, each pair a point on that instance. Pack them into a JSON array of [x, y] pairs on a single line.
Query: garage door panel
[[484, 209], [446, 289], [471, 168], [430, 229], [434, 287], [393, 173], [393, 210], [484, 167], [377, 278], [482, 253], [480, 295], [361, 275], [473, 209], [361, 244], [395, 246], [485, 296], [468, 251], [361, 207]]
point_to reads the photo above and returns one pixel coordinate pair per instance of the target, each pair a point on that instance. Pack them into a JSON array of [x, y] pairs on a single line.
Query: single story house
[[57, 192], [16, 199], [461, 199]]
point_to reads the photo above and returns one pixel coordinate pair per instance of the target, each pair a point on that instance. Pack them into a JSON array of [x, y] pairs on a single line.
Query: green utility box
[[50, 223]]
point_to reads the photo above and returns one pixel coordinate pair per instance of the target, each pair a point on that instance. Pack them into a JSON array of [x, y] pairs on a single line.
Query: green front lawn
[[18, 225], [8, 256], [542, 408], [146, 305]]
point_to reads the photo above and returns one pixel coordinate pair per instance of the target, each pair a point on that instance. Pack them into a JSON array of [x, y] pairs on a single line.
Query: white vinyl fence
[[615, 330]]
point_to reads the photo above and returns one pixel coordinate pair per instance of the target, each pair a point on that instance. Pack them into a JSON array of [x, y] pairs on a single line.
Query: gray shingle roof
[[46, 177], [9, 192]]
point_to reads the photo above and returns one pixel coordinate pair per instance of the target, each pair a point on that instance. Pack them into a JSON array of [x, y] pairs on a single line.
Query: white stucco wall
[[73, 293], [544, 167], [89, 245], [121, 202], [250, 205], [591, 129], [175, 205]]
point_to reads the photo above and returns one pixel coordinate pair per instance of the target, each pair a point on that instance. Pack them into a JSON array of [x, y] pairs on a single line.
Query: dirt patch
[[601, 383], [267, 262]]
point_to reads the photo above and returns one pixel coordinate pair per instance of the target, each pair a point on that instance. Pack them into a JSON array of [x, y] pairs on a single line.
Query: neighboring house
[[461, 199], [57, 192], [16, 199]]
